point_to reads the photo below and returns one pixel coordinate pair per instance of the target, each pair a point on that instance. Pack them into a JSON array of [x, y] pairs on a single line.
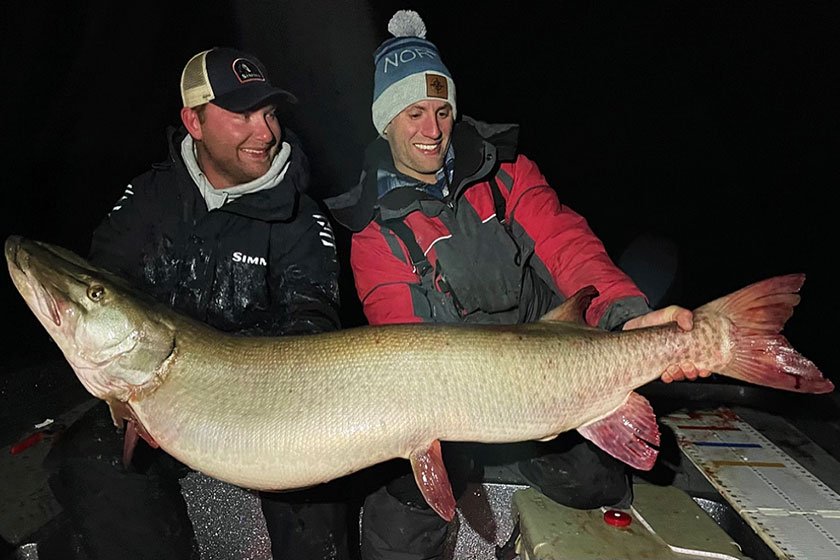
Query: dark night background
[[712, 123]]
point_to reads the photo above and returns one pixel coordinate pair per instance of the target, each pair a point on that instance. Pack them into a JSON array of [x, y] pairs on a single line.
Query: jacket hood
[[277, 204], [479, 147]]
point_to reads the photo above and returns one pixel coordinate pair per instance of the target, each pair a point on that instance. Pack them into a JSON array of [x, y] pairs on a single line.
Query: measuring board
[[789, 508]]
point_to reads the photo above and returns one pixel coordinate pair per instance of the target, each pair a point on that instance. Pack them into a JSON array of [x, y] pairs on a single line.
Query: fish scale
[[176, 414]]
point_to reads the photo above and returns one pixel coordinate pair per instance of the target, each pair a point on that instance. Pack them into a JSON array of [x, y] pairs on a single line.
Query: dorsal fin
[[573, 310]]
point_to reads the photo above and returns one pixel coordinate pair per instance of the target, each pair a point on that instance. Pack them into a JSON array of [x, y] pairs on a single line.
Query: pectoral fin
[[129, 444], [122, 414], [627, 433], [430, 475]]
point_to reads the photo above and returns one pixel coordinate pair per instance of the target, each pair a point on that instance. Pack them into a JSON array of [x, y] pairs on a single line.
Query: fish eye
[[96, 292]]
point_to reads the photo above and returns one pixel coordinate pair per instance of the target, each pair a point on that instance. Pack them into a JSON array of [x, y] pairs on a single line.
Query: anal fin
[[433, 481], [628, 434]]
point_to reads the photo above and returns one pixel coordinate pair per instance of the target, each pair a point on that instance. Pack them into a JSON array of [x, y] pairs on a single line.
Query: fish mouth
[[12, 249], [47, 303], [40, 299]]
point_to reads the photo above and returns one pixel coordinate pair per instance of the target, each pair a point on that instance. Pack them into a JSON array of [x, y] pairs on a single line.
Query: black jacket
[[262, 264]]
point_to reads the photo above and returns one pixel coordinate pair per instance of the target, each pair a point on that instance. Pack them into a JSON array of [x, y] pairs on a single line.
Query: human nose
[[263, 130], [431, 127]]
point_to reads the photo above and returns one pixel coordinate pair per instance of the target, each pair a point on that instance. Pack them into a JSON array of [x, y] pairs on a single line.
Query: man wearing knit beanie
[[452, 224]]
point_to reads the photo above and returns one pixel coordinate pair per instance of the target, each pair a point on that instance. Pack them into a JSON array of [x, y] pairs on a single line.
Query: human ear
[[192, 123]]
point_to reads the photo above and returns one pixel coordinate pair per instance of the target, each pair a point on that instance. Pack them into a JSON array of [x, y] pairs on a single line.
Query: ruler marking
[[727, 444], [710, 428], [747, 464]]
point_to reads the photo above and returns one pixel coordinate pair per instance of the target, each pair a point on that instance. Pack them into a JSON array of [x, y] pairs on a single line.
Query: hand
[[671, 314], [684, 318]]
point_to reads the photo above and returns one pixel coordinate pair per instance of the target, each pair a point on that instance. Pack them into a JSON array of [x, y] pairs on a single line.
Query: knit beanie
[[408, 70]]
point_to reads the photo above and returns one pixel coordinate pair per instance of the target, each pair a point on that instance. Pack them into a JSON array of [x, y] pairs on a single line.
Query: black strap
[[418, 259], [499, 202], [508, 550], [501, 209]]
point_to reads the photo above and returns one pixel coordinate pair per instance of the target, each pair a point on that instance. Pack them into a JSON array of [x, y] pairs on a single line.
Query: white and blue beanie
[[408, 70]]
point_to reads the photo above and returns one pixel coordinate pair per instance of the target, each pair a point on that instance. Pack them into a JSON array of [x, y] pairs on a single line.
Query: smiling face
[[233, 148], [419, 137]]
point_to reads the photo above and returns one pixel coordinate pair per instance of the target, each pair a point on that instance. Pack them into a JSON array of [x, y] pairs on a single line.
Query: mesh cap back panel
[[195, 84]]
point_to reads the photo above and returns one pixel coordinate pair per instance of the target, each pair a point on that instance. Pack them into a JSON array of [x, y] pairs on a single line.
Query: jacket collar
[[277, 204], [478, 146]]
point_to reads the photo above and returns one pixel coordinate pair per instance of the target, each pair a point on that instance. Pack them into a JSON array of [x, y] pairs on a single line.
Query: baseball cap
[[232, 79]]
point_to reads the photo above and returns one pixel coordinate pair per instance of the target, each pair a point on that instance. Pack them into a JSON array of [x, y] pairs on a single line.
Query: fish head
[[110, 333]]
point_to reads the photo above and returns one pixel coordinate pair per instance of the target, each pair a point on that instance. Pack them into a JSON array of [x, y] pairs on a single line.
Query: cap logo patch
[[436, 86], [246, 71]]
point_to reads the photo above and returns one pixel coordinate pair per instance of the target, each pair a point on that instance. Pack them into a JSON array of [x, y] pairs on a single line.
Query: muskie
[[289, 412]]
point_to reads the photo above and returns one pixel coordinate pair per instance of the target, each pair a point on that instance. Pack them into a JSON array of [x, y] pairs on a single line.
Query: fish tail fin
[[761, 355]]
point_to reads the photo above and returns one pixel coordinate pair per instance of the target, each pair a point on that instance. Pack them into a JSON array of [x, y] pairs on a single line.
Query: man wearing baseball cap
[[224, 232]]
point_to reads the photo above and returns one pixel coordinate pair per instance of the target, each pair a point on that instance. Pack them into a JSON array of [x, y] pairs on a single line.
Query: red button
[[617, 518]]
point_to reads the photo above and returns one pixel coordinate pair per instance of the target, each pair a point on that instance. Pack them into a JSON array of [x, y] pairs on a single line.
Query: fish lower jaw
[[100, 385]]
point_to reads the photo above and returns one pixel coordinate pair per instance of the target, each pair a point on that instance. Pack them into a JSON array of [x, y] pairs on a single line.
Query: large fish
[[290, 412]]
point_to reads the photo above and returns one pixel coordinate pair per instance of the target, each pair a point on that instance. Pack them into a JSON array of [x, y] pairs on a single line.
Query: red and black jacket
[[499, 248]]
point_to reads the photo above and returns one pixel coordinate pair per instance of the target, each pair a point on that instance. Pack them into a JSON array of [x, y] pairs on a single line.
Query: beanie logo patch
[[246, 71], [436, 86]]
